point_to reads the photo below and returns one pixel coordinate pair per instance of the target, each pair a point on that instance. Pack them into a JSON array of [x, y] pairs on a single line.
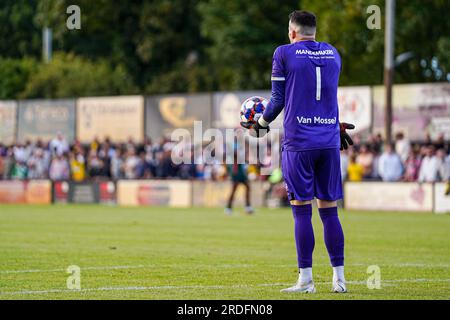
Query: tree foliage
[[160, 46], [70, 76], [243, 36], [14, 74], [19, 35]]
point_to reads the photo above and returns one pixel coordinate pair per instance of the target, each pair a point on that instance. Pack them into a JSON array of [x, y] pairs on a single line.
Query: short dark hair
[[303, 18]]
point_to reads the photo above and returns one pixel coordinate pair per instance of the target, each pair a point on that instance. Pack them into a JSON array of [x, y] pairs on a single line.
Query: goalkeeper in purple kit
[[305, 76]]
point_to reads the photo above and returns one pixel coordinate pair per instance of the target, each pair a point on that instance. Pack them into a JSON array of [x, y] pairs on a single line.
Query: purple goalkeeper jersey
[[308, 71]]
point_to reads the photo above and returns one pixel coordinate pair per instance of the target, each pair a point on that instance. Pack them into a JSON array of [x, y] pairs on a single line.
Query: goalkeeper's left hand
[[345, 138], [256, 129]]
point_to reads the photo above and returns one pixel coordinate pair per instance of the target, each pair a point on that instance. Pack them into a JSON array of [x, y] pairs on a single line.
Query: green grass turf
[[200, 253]]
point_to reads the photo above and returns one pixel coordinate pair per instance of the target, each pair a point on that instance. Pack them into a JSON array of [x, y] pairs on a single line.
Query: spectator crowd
[[58, 160], [427, 161]]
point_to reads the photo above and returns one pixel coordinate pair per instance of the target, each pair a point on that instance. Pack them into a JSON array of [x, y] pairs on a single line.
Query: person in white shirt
[[37, 166], [390, 167], [429, 168], [131, 163], [402, 146], [59, 144], [59, 168], [344, 164], [20, 154], [443, 169]]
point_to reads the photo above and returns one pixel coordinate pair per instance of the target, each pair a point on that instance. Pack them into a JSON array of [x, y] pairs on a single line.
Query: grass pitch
[[198, 253]]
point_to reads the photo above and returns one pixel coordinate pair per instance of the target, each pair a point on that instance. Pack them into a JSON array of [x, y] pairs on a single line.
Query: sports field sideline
[[199, 253]]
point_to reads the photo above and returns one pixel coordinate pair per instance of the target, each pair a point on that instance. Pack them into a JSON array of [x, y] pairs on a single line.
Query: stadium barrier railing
[[396, 196]]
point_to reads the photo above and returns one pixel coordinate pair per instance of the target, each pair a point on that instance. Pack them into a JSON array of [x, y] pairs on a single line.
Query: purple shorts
[[312, 173]]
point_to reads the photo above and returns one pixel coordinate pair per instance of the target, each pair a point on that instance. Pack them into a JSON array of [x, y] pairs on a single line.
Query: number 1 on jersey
[[318, 83]]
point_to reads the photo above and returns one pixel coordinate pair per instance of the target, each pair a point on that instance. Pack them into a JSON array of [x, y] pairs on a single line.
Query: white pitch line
[[147, 288], [224, 266], [167, 287], [83, 268]]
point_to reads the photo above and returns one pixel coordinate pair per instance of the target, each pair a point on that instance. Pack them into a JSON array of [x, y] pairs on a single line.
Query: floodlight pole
[[389, 66], [47, 44]]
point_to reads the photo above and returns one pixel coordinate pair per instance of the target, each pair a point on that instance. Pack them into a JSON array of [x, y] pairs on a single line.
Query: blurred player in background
[[238, 175], [305, 76]]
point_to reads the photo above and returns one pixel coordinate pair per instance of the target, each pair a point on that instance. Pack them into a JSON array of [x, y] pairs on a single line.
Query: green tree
[[243, 36], [108, 30], [343, 24], [421, 28], [20, 36], [160, 46], [170, 47], [154, 40], [14, 75], [70, 76]]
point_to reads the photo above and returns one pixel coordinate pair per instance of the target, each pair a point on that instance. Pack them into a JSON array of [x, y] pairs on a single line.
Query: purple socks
[[304, 235], [333, 235]]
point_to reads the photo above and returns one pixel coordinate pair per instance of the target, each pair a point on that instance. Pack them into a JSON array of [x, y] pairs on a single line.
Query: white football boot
[[249, 210], [339, 286], [228, 211], [305, 283], [301, 288], [338, 280]]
